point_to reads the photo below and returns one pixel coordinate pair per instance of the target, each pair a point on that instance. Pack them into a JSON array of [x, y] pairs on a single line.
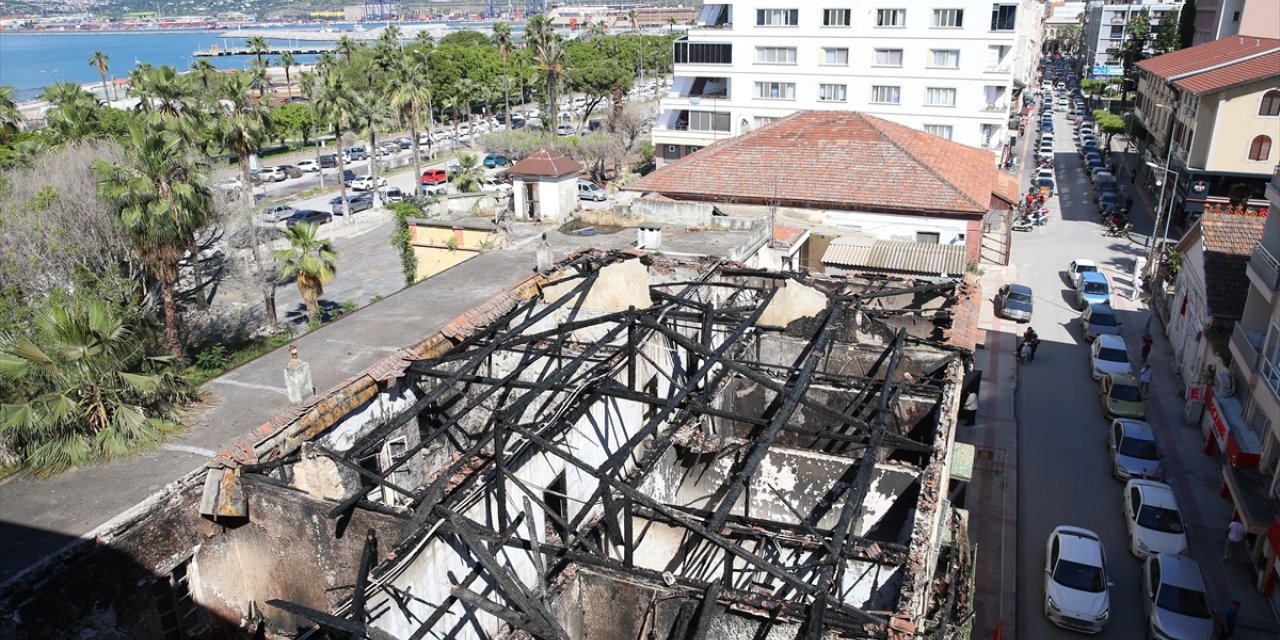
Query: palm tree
[[161, 198], [311, 261], [549, 54], [258, 46], [370, 114], [74, 121], [307, 84], [410, 94], [467, 173], [537, 29], [424, 38], [241, 129], [10, 117], [334, 104], [260, 81], [326, 63], [287, 60], [61, 93], [100, 61], [502, 36], [460, 103], [633, 16], [85, 389], [347, 46], [671, 24], [204, 69]]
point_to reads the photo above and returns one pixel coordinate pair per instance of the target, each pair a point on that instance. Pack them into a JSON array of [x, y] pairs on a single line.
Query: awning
[[1229, 430], [1248, 489]]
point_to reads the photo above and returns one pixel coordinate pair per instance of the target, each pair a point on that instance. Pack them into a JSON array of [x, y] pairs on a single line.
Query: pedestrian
[[970, 412], [1146, 346], [1227, 621], [1024, 353], [1144, 378], [1235, 536]]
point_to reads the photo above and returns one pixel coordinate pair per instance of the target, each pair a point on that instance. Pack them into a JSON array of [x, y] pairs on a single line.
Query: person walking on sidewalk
[[1235, 537], [1144, 378], [1146, 346], [1226, 623], [1024, 352]]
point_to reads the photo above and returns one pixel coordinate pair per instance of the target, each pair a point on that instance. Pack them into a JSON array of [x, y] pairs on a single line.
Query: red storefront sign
[[1241, 451], [1196, 392]]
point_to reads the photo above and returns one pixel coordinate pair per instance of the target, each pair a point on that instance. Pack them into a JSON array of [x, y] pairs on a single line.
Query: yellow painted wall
[[433, 260], [1234, 126], [431, 246]]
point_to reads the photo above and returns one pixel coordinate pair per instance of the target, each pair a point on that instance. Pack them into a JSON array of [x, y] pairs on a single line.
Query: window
[[180, 616], [940, 97], [891, 17], [832, 93], [776, 55], [940, 130], [945, 58], [836, 17], [987, 135], [761, 121], [1260, 148], [928, 237], [948, 18], [556, 515], [885, 95], [777, 17], [888, 58], [1270, 103], [837, 56], [702, 53], [1004, 17], [776, 90], [1269, 360], [708, 121]]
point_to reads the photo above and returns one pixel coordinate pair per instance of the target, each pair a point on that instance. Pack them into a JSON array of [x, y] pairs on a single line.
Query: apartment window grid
[[885, 94], [777, 17], [888, 58], [940, 130], [891, 17], [944, 58], [987, 134], [948, 18], [837, 17], [775, 55], [1269, 361], [708, 121], [1004, 17], [833, 93], [838, 56], [940, 97], [702, 52], [776, 90]]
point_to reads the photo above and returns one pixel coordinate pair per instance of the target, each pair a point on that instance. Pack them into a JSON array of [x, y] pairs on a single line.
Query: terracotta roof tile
[[1218, 64], [838, 160], [786, 234], [1229, 238], [545, 163]]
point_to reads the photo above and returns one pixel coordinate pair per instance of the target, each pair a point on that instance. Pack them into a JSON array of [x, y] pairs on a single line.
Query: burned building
[[632, 447]]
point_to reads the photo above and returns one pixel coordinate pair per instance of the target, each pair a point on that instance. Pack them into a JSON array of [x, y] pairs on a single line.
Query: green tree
[[549, 54], [1168, 39], [307, 84], [347, 46], [288, 61], [334, 105], [101, 62], [261, 82], [424, 39], [10, 117], [86, 389], [161, 198], [468, 174], [1109, 124], [671, 24], [258, 46], [204, 70], [537, 30], [311, 261], [502, 37], [593, 71], [369, 114], [464, 38], [401, 239], [1134, 49], [410, 98], [292, 118]]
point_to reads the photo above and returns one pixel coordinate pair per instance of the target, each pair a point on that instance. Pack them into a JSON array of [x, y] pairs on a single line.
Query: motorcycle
[[1040, 218], [1023, 224], [1117, 231]]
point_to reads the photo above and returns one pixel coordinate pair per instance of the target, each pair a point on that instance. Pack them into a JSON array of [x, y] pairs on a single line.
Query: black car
[[356, 203], [329, 161], [308, 216], [347, 176], [1015, 302], [291, 171]]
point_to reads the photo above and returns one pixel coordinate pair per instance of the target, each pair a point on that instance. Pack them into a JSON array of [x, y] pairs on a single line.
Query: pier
[[218, 52]]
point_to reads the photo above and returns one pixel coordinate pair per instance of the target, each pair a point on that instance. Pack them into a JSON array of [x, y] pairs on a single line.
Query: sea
[[31, 61]]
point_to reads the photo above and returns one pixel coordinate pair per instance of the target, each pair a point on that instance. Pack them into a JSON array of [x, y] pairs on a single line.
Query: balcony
[[1245, 346], [1264, 271]]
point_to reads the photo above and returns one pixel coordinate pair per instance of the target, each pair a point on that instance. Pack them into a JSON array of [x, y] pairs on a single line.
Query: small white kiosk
[[545, 186]]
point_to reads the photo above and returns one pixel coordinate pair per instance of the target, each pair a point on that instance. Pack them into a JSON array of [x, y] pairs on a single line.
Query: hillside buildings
[[956, 71]]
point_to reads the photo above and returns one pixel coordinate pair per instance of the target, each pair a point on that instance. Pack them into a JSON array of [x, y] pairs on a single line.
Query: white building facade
[[1104, 32], [953, 68]]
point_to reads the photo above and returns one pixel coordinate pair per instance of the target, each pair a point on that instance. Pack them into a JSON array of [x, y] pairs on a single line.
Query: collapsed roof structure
[[633, 447]]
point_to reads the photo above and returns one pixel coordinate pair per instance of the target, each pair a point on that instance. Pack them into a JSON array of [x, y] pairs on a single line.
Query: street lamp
[[49, 72]]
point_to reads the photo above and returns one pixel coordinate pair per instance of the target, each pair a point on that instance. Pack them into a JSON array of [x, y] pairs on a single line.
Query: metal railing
[[995, 106], [1266, 266], [1248, 343]]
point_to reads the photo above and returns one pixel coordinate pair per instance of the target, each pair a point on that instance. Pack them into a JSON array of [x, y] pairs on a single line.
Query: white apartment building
[[953, 68], [1104, 31]]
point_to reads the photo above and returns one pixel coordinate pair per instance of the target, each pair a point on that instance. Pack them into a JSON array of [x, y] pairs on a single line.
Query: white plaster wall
[[386, 405], [897, 227], [1184, 329]]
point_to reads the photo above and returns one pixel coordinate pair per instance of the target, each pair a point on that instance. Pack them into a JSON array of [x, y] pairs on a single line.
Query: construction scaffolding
[[745, 449]]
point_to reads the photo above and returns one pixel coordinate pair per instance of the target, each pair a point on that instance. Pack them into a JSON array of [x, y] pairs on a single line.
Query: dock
[[218, 52]]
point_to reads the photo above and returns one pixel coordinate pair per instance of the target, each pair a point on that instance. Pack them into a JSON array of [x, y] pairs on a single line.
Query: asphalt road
[[1063, 465]]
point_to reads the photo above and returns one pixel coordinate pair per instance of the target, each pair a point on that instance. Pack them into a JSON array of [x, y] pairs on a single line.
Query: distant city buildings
[[1105, 33], [956, 72]]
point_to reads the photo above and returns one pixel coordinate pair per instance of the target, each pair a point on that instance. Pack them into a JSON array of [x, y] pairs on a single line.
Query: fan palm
[[10, 117], [424, 38], [260, 80], [74, 121], [467, 173], [460, 103], [87, 389], [60, 93], [334, 106], [101, 62], [536, 30], [204, 70], [161, 198], [369, 111], [549, 55], [287, 61], [502, 37], [347, 46], [310, 260], [410, 95], [258, 46]]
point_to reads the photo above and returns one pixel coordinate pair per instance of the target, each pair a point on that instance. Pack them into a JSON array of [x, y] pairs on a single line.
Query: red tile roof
[[787, 235], [838, 160], [1218, 64], [1229, 235], [546, 164]]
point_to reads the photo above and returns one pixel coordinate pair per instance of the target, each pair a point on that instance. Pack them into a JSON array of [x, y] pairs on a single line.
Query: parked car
[[1174, 599], [565, 130], [277, 212], [1045, 185], [1099, 319], [1077, 268], [1153, 519], [1121, 396], [391, 194], [308, 166], [1099, 172], [357, 152], [231, 187], [404, 143], [1107, 200], [1015, 302], [356, 203], [328, 161], [308, 216], [588, 190], [365, 183], [1076, 588], [493, 160], [272, 174], [1108, 354], [1093, 289], [348, 176], [291, 171], [1134, 452], [495, 185], [434, 176]]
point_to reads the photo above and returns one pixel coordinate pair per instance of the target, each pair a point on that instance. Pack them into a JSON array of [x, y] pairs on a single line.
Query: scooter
[[1117, 231], [1023, 224], [1040, 218]]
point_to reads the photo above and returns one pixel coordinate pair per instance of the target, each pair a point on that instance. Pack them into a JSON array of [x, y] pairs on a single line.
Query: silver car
[[1134, 453], [1076, 589], [1098, 320], [1174, 599]]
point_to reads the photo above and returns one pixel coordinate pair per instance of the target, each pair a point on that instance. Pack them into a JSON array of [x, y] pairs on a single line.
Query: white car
[[1153, 519], [365, 183], [1174, 599], [494, 185], [1077, 267], [307, 166], [1109, 354], [1076, 589], [1134, 452]]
